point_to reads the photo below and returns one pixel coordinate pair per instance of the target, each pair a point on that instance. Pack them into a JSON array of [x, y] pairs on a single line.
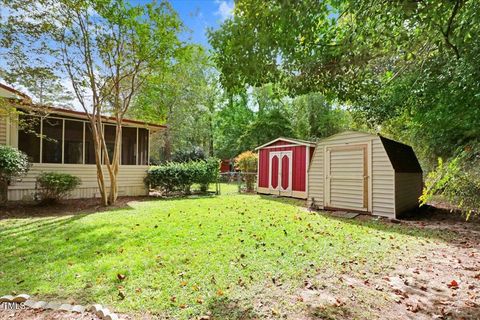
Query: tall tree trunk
[[98, 162]]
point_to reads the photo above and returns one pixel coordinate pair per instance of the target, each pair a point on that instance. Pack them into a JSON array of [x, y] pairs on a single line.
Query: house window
[[73, 145], [52, 133], [129, 146], [142, 146], [29, 136]]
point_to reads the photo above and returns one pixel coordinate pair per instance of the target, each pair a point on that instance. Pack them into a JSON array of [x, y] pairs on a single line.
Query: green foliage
[[13, 163], [408, 69], [183, 96], [246, 162], [179, 176], [194, 154], [457, 181], [53, 186], [313, 117]]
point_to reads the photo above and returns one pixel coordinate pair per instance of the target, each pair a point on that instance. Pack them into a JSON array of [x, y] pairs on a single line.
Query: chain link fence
[[237, 182]]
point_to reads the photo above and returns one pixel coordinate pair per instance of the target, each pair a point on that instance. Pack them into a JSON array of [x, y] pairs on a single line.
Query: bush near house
[[179, 177], [13, 163], [53, 186]]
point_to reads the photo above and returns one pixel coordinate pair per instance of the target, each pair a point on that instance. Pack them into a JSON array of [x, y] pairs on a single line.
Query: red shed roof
[[290, 140]]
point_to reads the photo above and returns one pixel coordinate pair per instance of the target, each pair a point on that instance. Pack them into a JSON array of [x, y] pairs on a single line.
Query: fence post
[[239, 182]]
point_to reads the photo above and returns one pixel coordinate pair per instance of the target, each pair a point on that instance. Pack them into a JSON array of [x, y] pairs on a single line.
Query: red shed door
[[280, 175]]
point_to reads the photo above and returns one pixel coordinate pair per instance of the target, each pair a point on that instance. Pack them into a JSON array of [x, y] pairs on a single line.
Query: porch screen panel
[[89, 145], [73, 142], [129, 146], [110, 141], [52, 141], [29, 137], [142, 146]]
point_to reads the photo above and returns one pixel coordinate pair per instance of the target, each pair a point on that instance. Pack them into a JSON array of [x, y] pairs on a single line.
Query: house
[[283, 167], [60, 141], [363, 172]]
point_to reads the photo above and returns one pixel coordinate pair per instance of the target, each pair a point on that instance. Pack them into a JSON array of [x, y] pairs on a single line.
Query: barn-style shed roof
[[401, 156]]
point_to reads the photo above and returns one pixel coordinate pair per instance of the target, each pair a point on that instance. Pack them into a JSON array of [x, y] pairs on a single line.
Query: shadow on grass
[[427, 221], [227, 309]]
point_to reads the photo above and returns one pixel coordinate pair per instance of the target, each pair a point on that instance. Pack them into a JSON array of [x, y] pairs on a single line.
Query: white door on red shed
[[346, 178], [280, 175]]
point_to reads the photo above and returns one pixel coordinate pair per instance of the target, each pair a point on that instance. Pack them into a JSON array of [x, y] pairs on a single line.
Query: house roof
[[402, 156], [291, 140], [71, 113]]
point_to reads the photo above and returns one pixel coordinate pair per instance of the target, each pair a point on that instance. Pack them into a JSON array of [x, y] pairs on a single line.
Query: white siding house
[[60, 141], [362, 172]]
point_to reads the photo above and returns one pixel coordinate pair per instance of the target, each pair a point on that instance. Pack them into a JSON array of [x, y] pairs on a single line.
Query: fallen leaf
[[121, 277], [453, 284]]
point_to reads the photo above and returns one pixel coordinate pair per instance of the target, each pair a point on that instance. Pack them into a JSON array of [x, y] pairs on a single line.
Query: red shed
[[283, 167]]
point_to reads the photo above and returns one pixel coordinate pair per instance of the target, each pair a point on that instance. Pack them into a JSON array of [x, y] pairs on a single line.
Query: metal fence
[[237, 182]]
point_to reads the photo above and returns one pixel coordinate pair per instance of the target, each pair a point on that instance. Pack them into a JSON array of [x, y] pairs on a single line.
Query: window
[[29, 136], [52, 140], [70, 141], [110, 133], [142, 146], [129, 146], [73, 142]]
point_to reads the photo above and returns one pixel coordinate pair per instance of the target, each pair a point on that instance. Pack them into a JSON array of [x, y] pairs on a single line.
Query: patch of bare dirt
[[21, 210], [31, 314]]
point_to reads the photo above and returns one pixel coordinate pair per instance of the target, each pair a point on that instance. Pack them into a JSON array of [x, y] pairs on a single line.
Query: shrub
[[13, 163], [53, 186], [457, 180], [194, 154], [246, 162], [175, 176]]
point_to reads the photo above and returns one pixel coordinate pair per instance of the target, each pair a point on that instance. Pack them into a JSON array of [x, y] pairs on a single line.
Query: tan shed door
[[346, 178]]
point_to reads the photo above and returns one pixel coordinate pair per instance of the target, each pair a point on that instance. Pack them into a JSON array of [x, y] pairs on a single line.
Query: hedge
[[176, 176]]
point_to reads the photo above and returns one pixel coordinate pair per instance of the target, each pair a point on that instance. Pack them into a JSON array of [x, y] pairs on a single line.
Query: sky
[[199, 15]]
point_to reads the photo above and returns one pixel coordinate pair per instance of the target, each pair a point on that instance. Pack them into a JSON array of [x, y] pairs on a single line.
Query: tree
[[313, 117], [184, 96], [408, 69], [13, 163], [107, 49]]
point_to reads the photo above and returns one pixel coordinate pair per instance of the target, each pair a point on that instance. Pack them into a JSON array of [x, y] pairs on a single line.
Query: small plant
[[246, 162], [457, 180], [13, 163], [53, 186]]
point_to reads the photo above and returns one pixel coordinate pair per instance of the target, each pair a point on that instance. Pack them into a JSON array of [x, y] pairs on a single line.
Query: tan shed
[[362, 172]]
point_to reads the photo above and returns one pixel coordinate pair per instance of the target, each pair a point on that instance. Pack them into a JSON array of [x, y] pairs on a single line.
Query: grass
[[185, 257]]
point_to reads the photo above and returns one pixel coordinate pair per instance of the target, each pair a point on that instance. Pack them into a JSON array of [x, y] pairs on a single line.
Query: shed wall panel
[[408, 188], [383, 181]]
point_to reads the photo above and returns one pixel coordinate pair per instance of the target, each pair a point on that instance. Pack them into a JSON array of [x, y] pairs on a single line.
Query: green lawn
[[183, 257]]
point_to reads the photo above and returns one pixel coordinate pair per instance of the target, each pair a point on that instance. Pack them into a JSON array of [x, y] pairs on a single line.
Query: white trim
[[370, 176], [281, 146], [307, 161], [84, 127], [41, 141], [280, 155], [294, 142], [63, 141], [137, 156]]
